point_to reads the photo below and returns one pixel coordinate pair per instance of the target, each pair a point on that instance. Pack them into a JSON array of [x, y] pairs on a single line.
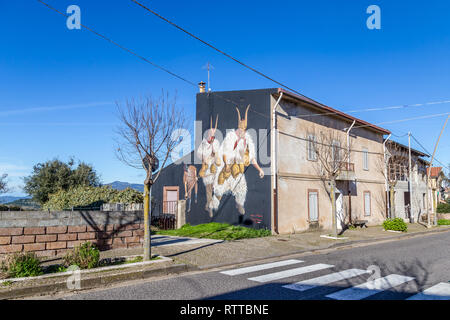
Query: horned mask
[[213, 130], [242, 123]]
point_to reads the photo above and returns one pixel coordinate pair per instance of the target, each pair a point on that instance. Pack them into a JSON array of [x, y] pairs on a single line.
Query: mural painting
[[224, 165], [190, 182]]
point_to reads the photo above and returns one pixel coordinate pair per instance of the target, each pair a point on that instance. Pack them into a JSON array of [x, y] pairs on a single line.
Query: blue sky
[[58, 87]]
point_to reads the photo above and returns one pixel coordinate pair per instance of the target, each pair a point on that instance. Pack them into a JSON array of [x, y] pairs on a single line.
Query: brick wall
[[51, 234]]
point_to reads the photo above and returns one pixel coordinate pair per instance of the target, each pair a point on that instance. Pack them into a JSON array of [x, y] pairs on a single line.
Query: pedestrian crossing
[[267, 273]]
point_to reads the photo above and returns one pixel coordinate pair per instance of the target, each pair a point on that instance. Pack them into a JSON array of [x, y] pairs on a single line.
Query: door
[[407, 203], [170, 199], [339, 209]]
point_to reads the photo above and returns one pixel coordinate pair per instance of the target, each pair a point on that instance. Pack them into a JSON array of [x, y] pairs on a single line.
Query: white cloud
[[53, 108]]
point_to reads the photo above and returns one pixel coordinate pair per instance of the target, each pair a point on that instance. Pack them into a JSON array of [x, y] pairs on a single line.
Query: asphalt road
[[403, 268]]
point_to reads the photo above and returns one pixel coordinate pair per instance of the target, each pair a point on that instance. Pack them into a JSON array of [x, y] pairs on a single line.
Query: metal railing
[[165, 217]]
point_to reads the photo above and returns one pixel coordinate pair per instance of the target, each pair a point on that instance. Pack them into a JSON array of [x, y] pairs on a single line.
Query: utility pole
[[430, 166], [411, 211]]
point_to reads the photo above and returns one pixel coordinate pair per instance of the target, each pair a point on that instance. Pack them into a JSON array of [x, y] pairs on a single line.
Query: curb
[[95, 281], [346, 245], [86, 283]]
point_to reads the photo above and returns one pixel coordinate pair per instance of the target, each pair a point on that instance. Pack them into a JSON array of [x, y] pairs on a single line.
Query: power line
[[215, 48], [429, 152], [229, 100], [121, 47], [406, 119]]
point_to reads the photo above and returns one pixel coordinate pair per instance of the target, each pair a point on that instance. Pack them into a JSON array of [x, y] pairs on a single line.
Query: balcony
[[346, 171]]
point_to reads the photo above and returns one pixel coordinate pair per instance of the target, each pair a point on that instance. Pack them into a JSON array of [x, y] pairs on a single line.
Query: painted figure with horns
[[209, 152], [238, 152]]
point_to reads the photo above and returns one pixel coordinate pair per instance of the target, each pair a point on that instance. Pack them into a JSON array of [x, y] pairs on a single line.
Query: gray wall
[[18, 219], [258, 201]]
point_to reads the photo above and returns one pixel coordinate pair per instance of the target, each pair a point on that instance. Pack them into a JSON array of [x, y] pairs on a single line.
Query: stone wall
[[51, 234]]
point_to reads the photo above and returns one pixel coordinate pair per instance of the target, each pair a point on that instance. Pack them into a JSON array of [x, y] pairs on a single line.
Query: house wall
[[257, 200], [51, 234], [297, 174]]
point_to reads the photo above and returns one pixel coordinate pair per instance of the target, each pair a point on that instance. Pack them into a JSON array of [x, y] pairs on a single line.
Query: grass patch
[[444, 222], [215, 230]]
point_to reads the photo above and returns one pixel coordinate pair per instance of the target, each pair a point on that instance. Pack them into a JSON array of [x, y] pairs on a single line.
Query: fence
[[166, 216]]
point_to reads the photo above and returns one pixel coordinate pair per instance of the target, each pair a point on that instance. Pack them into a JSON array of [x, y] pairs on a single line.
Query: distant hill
[[119, 185], [7, 199], [25, 203]]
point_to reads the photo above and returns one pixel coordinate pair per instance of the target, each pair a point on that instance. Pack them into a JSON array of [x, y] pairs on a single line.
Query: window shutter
[[367, 203], [313, 209]]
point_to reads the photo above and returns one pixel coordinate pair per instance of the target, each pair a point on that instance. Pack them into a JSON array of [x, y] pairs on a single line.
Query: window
[[313, 205], [312, 156], [367, 203], [423, 200], [365, 159], [336, 151]]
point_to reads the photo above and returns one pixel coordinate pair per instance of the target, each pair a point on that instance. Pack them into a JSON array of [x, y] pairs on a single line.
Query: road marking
[[370, 288], [440, 291], [324, 280], [261, 267], [290, 273]]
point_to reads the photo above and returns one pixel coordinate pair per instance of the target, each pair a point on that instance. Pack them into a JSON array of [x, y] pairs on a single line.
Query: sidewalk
[[188, 254], [238, 251]]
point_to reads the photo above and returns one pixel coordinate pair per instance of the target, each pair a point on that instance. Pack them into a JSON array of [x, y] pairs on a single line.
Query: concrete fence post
[[181, 213]]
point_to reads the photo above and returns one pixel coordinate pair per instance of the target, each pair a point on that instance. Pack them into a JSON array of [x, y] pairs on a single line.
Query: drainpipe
[[348, 168], [274, 164], [385, 174]]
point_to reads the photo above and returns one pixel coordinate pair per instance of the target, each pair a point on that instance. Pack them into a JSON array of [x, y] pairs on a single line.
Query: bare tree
[[150, 130], [332, 154], [397, 170], [3, 184]]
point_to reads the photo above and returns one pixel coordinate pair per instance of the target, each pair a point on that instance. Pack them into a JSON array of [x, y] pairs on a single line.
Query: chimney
[[201, 86]]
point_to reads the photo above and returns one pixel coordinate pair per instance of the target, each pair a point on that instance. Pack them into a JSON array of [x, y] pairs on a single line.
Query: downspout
[[385, 175], [274, 164], [348, 168]]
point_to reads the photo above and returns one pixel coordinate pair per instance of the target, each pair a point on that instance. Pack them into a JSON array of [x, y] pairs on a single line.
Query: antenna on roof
[[209, 67]]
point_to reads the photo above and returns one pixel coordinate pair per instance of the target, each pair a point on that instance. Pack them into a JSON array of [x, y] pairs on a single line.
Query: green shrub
[[21, 265], [91, 197], [444, 222], [9, 208], [396, 224], [85, 256], [443, 208]]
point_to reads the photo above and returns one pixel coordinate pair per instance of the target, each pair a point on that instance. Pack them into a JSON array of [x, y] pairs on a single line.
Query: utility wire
[[121, 47], [406, 119], [215, 48], [437, 160], [229, 100]]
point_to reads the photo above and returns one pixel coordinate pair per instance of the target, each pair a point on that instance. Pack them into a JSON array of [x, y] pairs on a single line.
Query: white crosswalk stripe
[[440, 291], [260, 267], [290, 273], [370, 288], [327, 279]]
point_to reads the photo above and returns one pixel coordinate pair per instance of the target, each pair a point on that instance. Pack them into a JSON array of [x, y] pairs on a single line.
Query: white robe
[[208, 152], [237, 186]]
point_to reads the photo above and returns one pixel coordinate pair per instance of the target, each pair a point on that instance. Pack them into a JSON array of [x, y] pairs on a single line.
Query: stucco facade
[[298, 176], [283, 187], [409, 197]]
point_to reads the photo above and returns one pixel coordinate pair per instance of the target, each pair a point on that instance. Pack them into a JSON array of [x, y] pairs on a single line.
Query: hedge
[[443, 208], [396, 224], [91, 197]]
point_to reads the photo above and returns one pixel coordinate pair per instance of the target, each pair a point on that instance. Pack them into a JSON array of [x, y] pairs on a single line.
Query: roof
[[435, 171], [337, 112], [419, 153]]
